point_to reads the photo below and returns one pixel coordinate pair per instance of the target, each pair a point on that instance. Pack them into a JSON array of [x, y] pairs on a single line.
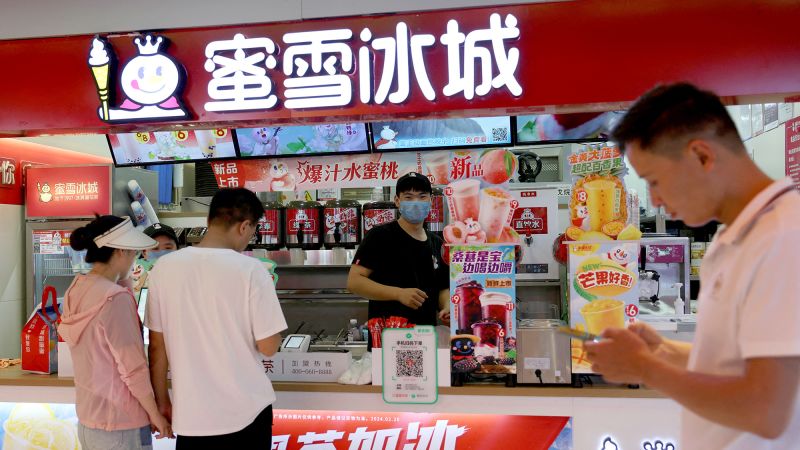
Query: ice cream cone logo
[[151, 82]]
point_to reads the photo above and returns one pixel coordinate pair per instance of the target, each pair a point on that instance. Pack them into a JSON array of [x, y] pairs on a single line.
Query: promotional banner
[[68, 191], [436, 133], [483, 313], [343, 430], [603, 290], [366, 170], [317, 140], [137, 149]]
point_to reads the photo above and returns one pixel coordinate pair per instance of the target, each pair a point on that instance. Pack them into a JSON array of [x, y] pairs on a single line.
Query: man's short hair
[[676, 111], [234, 205]]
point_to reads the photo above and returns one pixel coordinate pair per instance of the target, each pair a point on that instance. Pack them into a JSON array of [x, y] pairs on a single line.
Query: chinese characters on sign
[[482, 261], [793, 149], [604, 159], [320, 66], [7, 168]]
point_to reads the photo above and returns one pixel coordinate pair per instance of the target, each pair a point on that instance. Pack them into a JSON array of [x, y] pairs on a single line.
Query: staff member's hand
[[620, 357], [411, 297], [444, 316], [648, 334]]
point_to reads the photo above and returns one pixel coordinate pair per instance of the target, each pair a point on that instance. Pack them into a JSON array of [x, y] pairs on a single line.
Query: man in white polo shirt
[[212, 314], [738, 381]]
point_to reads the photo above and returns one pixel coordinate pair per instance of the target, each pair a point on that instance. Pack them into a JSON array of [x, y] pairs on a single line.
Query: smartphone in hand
[[577, 334]]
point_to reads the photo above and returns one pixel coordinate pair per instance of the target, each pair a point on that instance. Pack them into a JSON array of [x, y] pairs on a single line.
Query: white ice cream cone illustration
[[100, 64]]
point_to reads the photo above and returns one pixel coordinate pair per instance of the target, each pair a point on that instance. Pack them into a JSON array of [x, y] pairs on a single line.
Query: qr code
[[409, 363], [499, 134]]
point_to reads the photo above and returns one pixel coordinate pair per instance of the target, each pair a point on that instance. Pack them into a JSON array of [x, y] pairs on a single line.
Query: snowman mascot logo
[[151, 82]]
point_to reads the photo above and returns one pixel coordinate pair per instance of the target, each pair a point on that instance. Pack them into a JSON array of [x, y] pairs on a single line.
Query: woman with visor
[[115, 404]]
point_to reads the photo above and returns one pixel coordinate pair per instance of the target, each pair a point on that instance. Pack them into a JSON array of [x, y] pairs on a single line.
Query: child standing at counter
[[114, 399]]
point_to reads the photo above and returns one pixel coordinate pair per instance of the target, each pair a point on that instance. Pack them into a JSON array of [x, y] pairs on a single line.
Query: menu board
[[302, 140], [565, 127], [441, 133], [165, 147]]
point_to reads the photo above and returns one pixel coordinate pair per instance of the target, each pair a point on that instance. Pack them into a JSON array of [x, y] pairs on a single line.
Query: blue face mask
[[415, 211], [153, 255]]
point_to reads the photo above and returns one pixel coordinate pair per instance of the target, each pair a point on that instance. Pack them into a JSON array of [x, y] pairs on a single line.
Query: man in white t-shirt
[[212, 314], [738, 381]]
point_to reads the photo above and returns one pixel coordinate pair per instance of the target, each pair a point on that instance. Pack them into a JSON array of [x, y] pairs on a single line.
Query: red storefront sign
[[68, 191], [488, 61], [793, 149], [332, 430]]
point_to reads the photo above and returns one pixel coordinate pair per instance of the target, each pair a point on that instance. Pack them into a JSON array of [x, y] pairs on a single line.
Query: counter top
[[14, 376]]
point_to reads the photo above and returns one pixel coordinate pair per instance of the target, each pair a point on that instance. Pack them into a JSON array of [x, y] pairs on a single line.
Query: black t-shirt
[[397, 259]]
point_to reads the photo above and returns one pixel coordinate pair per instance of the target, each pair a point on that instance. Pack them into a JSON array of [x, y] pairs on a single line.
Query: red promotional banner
[[68, 191], [793, 149], [463, 63], [332, 430]]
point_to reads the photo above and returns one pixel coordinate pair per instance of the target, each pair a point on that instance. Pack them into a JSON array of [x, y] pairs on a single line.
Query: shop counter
[[629, 417]]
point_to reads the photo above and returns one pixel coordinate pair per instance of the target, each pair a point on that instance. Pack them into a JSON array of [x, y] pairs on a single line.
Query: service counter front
[[588, 418]]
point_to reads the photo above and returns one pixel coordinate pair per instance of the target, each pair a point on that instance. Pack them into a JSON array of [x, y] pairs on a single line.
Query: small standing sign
[[409, 365]]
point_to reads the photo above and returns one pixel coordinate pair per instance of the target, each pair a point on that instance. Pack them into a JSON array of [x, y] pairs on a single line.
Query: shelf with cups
[[61, 267]]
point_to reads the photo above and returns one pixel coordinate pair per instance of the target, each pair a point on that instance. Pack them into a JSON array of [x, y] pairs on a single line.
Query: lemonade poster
[[603, 285]]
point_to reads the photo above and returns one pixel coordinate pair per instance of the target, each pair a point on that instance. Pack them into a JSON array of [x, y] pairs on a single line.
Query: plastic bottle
[[680, 305], [353, 333]]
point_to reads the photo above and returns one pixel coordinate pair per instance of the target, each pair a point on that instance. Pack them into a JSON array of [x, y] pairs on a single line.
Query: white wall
[[93, 144], [769, 149], [36, 18]]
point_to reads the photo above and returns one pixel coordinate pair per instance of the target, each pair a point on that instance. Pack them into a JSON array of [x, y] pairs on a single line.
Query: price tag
[[180, 135], [143, 138], [221, 132]]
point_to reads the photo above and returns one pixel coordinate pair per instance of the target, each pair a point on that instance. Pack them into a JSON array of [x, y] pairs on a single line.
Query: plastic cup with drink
[[495, 208], [603, 313], [600, 202], [465, 195]]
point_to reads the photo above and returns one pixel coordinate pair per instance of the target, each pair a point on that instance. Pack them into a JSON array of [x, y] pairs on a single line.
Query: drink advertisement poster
[[483, 307], [598, 205], [603, 290], [171, 146]]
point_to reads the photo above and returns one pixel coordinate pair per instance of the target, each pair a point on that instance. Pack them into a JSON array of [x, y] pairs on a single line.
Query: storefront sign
[[332, 430], [460, 63], [483, 313], [793, 149], [409, 360], [7, 168], [603, 290], [68, 191]]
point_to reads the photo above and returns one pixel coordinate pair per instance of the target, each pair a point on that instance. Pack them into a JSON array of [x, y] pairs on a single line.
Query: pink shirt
[[102, 328]]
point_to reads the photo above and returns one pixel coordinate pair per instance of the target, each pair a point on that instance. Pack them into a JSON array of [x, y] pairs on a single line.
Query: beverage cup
[[603, 313], [206, 142], [600, 202], [132, 149], [495, 207], [466, 198], [439, 166], [496, 306]]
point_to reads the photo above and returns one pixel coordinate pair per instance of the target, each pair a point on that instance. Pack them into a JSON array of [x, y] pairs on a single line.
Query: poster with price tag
[[603, 290], [409, 365], [483, 312]]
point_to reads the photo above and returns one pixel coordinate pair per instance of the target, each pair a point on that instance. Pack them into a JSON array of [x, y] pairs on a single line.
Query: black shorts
[[257, 435]]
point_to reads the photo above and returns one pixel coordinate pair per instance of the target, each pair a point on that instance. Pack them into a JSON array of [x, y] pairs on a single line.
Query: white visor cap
[[125, 236]]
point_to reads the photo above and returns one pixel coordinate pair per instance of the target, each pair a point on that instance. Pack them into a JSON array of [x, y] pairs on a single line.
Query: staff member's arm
[[359, 283], [674, 352]]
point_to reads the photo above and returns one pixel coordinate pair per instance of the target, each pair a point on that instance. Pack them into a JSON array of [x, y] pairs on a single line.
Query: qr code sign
[[409, 363], [499, 134]]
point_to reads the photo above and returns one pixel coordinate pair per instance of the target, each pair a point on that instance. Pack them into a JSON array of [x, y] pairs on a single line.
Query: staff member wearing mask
[[166, 238], [399, 266]]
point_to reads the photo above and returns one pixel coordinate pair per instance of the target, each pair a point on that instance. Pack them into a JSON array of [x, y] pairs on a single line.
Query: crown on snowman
[[149, 47]]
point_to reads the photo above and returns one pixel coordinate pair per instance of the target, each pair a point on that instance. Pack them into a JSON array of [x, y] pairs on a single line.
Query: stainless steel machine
[[543, 354]]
